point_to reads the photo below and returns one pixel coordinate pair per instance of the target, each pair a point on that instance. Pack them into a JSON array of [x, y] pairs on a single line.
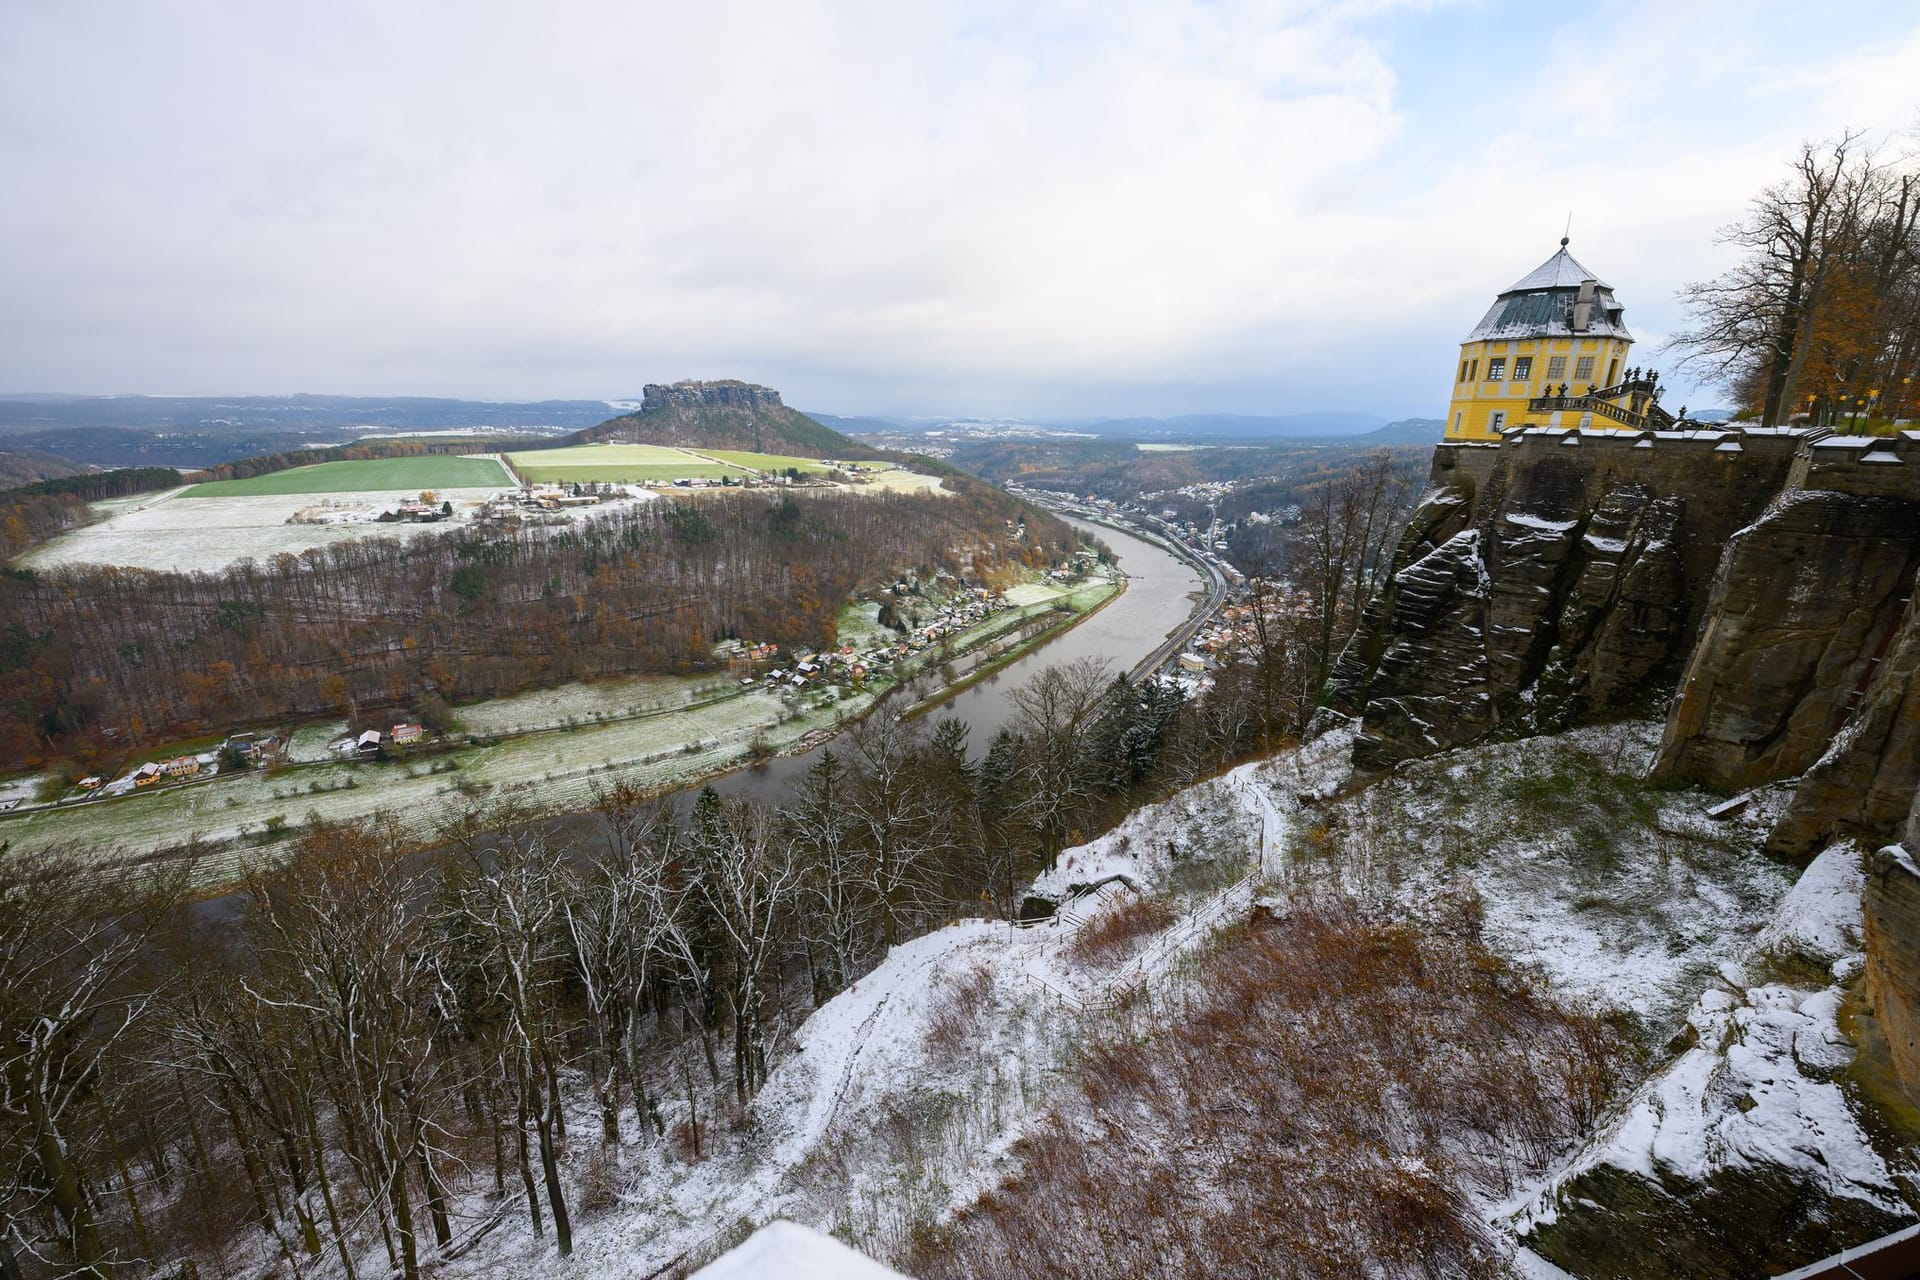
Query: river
[[1161, 593]]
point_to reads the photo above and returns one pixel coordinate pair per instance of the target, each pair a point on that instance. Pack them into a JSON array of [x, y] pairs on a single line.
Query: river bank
[[548, 751]]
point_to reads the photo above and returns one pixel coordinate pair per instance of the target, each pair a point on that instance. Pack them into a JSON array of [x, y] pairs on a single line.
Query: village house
[[403, 734], [180, 767]]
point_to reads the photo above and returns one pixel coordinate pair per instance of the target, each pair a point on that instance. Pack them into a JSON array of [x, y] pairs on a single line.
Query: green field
[[766, 461], [615, 464], [371, 475]]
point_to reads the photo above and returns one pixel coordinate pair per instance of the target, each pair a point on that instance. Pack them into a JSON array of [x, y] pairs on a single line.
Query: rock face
[[1741, 1156], [1770, 577], [1892, 907], [694, 397], [1805, 603], [1545, 579], [721, 415], [1867, 782]]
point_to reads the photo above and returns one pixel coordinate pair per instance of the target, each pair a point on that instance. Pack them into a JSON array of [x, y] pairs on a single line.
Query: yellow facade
[[1549, 362], [1558, 326]]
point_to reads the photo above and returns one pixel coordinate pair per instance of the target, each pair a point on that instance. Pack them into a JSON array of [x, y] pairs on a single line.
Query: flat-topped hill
[[721, 415]]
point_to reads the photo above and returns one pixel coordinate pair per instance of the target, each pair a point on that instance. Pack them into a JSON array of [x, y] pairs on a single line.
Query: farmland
[[371, 475], [549, 749], [767, 461], [617, 464], [173, 532]]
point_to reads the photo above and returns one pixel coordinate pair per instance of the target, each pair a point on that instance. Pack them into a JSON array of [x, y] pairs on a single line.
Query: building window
[[1497, 421], [1496, 369], [1456, 421], [1613, 367], [1556, 368], [1583, 369], [1464, 366], [1522, 368]]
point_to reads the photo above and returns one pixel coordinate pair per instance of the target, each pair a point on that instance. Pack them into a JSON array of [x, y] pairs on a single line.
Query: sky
[[908, 207]]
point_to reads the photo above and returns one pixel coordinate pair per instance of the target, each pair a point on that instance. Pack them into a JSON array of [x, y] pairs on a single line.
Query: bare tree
[[1827, 261], [70, 950]]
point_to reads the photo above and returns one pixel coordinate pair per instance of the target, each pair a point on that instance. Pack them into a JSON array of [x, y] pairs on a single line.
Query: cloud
[[1075, 207]]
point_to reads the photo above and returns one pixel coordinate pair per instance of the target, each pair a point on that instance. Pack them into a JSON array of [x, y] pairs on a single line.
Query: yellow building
[[1552, 351]]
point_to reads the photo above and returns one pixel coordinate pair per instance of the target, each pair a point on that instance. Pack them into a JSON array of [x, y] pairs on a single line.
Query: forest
[[321, 1064], [32, 513], [318, 1064], [93, 660]]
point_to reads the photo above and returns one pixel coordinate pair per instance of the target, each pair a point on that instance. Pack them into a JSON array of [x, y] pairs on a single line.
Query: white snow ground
[[787, 1251], [869, 1128], [1756, 1086]]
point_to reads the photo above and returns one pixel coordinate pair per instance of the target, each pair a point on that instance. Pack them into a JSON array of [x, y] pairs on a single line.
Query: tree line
[[97, 660], [324, 1065], [1821, 314], [33, 513]]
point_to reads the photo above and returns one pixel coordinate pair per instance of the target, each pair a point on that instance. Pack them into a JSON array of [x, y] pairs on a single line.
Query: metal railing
[[1654, 418]]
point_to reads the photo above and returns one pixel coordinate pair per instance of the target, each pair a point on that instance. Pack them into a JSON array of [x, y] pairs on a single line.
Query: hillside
[[24, 466], [1406, 431], [721, 415]]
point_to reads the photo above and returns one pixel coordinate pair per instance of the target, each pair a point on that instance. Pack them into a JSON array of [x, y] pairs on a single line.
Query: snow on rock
[[784, 1250], [1738, 1097], [1819, 920], [1749, 1123]]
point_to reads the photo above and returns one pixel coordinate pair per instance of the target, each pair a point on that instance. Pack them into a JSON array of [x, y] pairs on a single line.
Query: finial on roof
[[1563, 241]]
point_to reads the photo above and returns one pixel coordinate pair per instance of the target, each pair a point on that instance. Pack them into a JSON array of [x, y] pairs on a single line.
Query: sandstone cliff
[[722, 415], [1539, 582], [1757, 587]]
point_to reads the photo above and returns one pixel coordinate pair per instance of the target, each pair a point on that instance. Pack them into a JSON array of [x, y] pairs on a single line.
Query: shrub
[[1114, 935], [1326, 1101], [954, 1016]]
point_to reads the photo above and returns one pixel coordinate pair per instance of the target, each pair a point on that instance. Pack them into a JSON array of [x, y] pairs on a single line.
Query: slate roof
[[1540, 305]]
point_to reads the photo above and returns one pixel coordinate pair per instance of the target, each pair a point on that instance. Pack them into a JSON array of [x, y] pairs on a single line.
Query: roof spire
[[1568, 233]]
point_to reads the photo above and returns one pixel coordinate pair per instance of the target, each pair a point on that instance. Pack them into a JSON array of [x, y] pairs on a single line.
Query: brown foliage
[[94, 658], [1321, 1108], [1114, 935], [955, 1013]]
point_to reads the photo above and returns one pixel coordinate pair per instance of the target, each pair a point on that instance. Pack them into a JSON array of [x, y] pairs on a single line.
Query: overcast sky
[[1097, 208]]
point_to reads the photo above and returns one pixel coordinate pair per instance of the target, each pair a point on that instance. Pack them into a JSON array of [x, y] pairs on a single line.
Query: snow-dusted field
[[169, 531]]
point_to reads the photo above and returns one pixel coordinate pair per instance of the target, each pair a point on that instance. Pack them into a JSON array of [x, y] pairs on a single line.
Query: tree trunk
[[436, 1193], [326, 1194], [64, 1185], [526, 1164]]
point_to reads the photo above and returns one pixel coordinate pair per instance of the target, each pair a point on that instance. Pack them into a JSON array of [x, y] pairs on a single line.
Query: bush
[[954, 1016], [1114, 935], [1328, 1100]]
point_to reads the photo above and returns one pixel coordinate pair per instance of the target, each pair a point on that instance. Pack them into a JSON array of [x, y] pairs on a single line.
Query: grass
[[615, 464], [364, 476], [767, 461]]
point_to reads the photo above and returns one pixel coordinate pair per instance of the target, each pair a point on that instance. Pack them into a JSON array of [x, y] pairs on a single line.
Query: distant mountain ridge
[[720, 415], [24, 466], [1239, 426], [1406, 431]]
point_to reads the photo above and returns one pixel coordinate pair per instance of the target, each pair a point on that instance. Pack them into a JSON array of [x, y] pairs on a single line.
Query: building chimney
[[1583, 306]]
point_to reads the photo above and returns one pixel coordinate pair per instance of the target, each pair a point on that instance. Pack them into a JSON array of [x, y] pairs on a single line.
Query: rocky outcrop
[[1892, 908], [1805, 600], [721, 415], [1745, 1155], [1867, 782], [1577, 592], [695, 397]]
